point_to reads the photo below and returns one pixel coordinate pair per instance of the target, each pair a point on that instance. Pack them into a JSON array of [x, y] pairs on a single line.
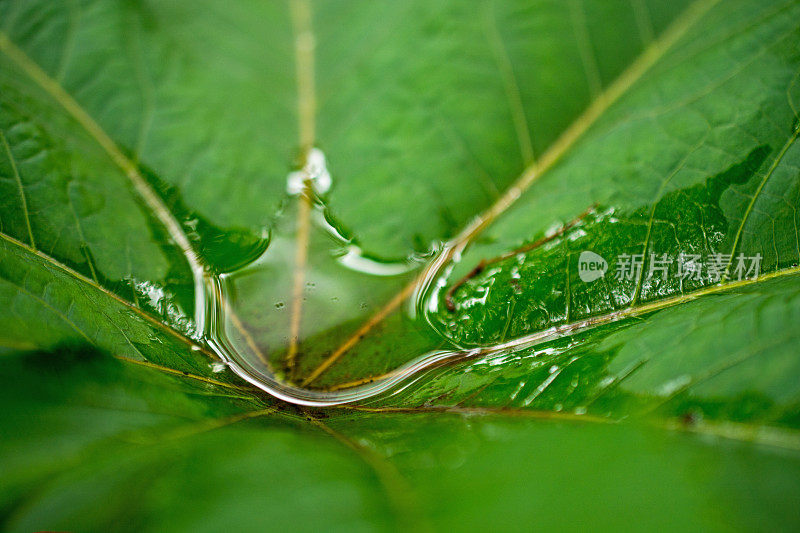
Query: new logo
[[591, 266]]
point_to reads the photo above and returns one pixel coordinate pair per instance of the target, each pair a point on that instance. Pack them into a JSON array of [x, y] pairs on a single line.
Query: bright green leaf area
[[657, 399]]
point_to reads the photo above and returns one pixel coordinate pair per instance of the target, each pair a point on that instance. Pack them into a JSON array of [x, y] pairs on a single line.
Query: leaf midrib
[[518, 343], [169, 221], [82, 117], [541, 166], [166, 328], [562, 145]]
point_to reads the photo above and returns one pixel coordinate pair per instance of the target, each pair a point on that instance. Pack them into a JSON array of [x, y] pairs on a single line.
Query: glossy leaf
[[165, 208]]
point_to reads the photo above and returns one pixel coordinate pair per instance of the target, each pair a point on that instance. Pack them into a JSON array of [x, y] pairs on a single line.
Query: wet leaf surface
[[590, 208]]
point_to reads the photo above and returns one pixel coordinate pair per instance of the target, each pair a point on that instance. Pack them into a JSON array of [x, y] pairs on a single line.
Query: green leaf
[[107, 445], [166, 229]]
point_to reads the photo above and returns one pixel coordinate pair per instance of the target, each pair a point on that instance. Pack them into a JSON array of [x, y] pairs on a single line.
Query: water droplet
[[354, 259], [315, 172], [674, 385], [574, 383], [606, 381], [580, 410], [217, 367]]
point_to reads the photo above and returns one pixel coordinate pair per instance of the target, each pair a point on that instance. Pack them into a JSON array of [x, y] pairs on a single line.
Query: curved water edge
[[216, 305], [244, 357], [213, 319]]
